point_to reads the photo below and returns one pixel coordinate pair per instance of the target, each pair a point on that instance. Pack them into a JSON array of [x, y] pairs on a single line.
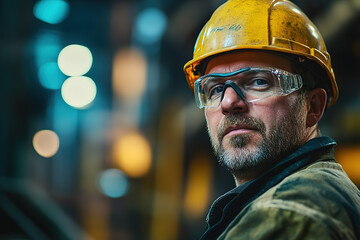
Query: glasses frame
[[288, 82]]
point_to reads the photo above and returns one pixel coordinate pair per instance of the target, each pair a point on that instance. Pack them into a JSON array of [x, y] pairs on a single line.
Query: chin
[[239, 161], [249, 141]]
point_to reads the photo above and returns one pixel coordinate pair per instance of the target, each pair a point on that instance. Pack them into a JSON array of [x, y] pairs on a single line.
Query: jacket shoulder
[[319, 186], [312, 203]]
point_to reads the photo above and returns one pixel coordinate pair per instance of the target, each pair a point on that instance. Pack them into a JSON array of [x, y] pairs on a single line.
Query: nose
[[233, 101]]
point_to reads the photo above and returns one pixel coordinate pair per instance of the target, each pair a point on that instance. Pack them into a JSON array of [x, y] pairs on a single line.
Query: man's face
[[249, 137]]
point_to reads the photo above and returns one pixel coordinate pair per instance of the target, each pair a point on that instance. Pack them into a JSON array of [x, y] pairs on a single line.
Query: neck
[[239, 181], [251, 174], [313, 132]]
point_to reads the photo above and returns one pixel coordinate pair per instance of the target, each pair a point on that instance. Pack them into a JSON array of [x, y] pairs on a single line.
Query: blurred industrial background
[[99, 134]]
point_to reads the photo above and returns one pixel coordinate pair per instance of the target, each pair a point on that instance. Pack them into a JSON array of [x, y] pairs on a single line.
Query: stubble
[[284, 137]]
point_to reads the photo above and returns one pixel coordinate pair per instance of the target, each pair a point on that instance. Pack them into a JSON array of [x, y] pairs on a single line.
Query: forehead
[[233, 61]]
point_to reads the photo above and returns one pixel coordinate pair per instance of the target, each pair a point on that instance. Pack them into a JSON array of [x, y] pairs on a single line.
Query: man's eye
[[260, 82], [216, 90]]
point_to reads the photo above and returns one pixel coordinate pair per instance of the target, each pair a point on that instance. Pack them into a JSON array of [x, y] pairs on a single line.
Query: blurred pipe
[[96, 217], [36, 213], [168, 174], [186, 20], [199, 185], [24, 222], [338, 15]]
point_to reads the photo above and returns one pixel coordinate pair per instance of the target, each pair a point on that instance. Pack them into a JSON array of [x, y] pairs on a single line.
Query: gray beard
[[285, 137]]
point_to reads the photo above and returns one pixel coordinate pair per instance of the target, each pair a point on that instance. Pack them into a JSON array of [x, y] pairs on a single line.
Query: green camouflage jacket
[[306, 196]]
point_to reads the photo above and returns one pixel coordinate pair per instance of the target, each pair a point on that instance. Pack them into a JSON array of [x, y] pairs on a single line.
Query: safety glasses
[[250, 84]]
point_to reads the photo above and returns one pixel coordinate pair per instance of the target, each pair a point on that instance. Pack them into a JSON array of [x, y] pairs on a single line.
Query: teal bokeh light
[[50, 76], [150, 25], [46, 48], [51, 11], [113, 183]]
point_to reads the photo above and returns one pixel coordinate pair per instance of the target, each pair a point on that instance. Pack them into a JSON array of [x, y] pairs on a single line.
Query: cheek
[[212, 121], [272, 113]]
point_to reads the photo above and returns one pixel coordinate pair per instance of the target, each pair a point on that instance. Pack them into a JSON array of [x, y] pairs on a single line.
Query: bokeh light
[[46, 47], [132, 153], [51, 11], [348, 157], [150, 25], [129, 73], [50, 76], [46, 143], [113, 183], [75, 60], [78, 92]]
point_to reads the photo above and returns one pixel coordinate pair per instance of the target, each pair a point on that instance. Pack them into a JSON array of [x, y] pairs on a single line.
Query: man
[[262, 73]]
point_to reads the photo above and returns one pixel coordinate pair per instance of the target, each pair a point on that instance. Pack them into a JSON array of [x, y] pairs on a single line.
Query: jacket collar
[[218, 217]]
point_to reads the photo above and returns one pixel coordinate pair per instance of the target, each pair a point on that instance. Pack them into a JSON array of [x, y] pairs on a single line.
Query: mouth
[[238, 129]]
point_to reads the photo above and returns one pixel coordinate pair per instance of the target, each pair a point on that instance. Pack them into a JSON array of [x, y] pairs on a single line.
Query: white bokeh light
[[75, 60], [78, 92]]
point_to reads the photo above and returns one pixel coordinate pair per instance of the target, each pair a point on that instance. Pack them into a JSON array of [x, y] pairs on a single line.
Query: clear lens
[[254, 83]]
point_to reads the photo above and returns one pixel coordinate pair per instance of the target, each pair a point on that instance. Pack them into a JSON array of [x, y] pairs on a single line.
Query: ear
[[316, 102]]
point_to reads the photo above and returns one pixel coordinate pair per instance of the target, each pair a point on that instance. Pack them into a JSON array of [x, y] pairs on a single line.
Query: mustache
[[233, 119]]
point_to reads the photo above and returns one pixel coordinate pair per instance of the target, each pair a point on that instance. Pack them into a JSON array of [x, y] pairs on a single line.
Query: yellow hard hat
[[273, 25]]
